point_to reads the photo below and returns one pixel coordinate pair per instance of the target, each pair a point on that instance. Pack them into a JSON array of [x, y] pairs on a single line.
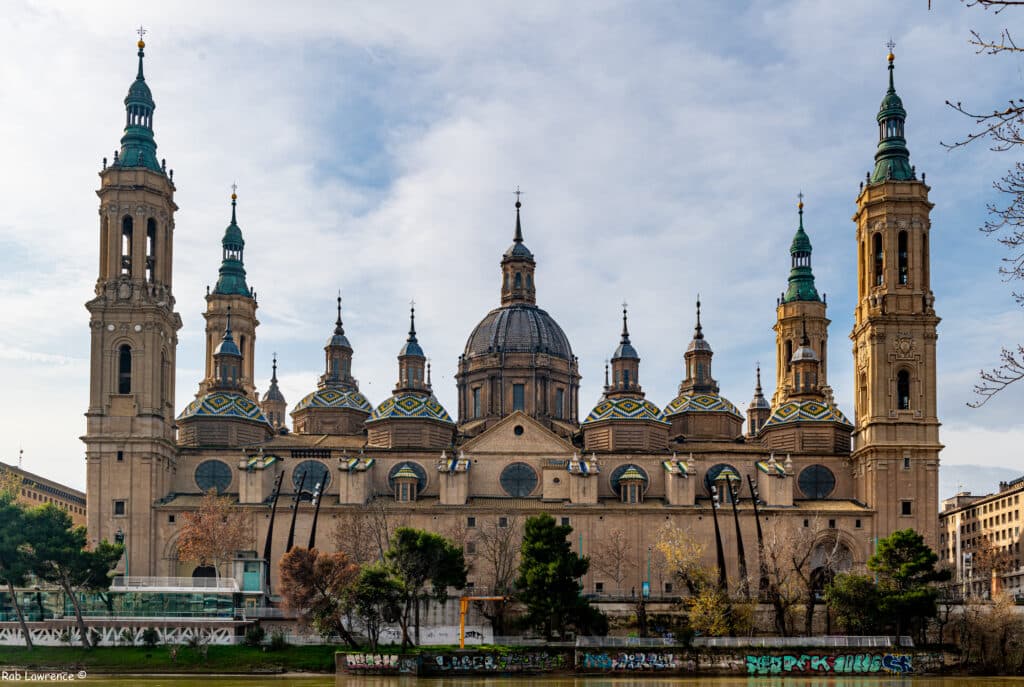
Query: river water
[[531, 681]]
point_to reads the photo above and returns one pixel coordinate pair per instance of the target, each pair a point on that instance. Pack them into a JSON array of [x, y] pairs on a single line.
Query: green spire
[[138, 147], [801, 278], [231, 281], [892, 160]]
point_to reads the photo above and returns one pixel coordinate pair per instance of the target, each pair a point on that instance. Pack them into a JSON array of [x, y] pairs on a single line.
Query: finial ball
[[800, 205], [891, 57], [234, 196], [518, 205], [141, 44]]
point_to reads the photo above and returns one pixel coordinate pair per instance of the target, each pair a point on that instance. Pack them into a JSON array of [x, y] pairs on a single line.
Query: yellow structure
[[34, 490], [517, 446]]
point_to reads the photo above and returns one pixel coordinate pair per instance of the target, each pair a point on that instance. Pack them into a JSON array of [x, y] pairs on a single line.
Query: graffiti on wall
[[385, 663], [513, 662], [630, 661], [821, 663]]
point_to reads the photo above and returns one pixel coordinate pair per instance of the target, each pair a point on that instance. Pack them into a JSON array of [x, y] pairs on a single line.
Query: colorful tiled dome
[[632, 473], [806, 411], [334, 398], [700, 403], [411, 406], [406, 472], [223, 404], [624, 409]]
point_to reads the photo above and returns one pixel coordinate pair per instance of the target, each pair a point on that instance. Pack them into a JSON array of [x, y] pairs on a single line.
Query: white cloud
[[376, 146]]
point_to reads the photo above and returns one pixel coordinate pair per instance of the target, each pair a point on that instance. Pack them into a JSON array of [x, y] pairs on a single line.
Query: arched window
[[151, 250], [903, 390], [519, 280], [924, 260], [878, 257], [625, 379], [126, 246], [124, 369], [529, 282], [901, 255], [700, 371], [789, 354], [559, 403]]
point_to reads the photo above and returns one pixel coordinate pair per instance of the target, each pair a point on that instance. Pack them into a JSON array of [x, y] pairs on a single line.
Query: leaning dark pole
[[744, 583], [723, 582], [762, 584], [295, 511], [316, 513], [270, 527]]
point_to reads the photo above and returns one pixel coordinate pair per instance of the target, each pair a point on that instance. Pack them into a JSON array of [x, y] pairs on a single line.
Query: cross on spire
[[891, 44], [234, 188], [141, 31], [517, 193]]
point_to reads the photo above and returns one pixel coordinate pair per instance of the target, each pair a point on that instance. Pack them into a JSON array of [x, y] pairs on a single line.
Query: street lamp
[[295, 511], [723, 583], [270, 529], [317, 500]]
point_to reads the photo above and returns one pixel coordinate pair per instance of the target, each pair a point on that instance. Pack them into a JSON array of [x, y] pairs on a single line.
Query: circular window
[[213, 474], [712, 474], [421, 475], [315, 472], [518, 430], [518, 479], [816, 481], [617, 474]]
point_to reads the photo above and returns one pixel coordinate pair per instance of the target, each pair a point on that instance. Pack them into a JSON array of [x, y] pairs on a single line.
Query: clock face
[[138, 328], [110, 327]]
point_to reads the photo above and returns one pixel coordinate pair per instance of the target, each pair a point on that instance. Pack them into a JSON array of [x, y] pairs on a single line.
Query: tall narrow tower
[[130, 442], [896, 441], [231, 293]]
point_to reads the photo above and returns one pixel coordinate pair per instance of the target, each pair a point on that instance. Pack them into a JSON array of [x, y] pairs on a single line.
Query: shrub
[[150, 637], [254, 635], [278, 641]]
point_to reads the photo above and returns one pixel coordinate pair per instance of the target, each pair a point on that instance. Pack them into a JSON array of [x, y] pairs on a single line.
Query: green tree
[[425, 565], [376, 599], [549, 578], [905, 567], [853, 600], [14, 563], [58, 555]]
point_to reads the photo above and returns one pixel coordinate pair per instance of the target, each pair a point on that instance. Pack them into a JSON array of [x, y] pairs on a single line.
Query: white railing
[[123, 583]]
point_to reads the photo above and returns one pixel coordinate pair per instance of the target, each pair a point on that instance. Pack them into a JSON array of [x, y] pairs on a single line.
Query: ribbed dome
[[223, 404], [518, 328]]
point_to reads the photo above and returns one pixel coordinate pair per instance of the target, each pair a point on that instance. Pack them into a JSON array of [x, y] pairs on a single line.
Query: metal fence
[[828, 641]]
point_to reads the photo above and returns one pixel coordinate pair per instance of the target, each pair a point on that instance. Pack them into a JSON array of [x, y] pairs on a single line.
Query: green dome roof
[[334, 398], [231, 276], [892, 159], [801, 276], [406, 473], [806, 411], [699, 403], [411, 406], [624, 409], [138, 147], [223, 404]]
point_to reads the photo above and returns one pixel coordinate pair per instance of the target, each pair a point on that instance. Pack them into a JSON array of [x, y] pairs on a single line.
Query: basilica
[[518, 443]]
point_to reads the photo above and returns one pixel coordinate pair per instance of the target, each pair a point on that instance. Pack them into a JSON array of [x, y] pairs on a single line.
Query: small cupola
[[517, 268], [338, 358], [227, 361], [801, 276], [805, 367], [625, 365], [759, 409], [412, 361], [698, 363]]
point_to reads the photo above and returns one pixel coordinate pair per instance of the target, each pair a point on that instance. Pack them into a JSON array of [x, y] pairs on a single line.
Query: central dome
[[518, 328]]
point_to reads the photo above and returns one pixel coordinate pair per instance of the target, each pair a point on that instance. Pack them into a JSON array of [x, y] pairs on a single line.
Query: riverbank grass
[[176, 659]]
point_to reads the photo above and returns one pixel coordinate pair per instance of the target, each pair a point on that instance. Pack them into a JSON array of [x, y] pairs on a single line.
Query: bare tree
[[612, 557], [1003, 128], [354, 533], [816, 555], [213, 533], [785, 588]]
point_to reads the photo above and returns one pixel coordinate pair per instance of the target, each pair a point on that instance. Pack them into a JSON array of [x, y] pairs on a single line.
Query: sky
[[660, 147]]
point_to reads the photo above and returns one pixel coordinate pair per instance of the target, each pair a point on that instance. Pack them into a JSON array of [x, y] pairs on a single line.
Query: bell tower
[[896, 441], [130, 439]]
